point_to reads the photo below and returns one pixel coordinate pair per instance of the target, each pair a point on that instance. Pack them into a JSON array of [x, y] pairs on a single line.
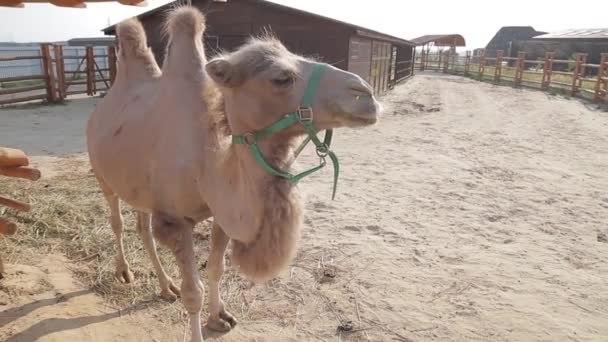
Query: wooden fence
[[54, 84], [580, 79]]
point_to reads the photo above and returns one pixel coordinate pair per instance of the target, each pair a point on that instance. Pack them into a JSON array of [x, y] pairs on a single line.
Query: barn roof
[[507, 34], [359, 29], [594, 33], [441, 40], [68, 3]]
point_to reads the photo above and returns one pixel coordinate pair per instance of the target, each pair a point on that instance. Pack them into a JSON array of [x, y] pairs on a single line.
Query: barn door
[[359, 57]]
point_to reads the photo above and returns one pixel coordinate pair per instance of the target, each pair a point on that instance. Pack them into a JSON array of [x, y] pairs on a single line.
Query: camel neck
[[244, 194]]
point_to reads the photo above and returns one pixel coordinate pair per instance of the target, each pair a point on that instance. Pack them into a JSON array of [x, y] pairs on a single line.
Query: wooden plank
[[100, 74], [48, 73], [21, 172], [531, 81], [60, 68], [17, 205], [18, 58], [22, 78], [112, 63], [6, 228], [562, 84], [20, 90], [74, 92], [13, 157], [23, 99], [90, 71], [77, 72]]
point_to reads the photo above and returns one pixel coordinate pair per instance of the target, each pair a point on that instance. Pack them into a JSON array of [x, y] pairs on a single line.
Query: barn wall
[[360, 57], [404, 63], [230, 24]]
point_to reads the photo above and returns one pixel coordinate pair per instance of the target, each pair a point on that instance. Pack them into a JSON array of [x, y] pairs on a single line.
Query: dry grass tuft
[[69, 216]]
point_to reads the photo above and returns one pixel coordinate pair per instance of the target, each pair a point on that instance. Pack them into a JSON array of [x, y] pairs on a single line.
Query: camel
[[202, 139]]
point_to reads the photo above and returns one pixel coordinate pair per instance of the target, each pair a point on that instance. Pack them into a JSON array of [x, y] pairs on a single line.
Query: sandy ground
[[471, 212]]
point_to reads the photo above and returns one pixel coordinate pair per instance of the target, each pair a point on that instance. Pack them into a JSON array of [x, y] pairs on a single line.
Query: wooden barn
[[383, 60]]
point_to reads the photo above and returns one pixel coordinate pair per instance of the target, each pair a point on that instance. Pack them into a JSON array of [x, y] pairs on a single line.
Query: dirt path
[[471, 212]]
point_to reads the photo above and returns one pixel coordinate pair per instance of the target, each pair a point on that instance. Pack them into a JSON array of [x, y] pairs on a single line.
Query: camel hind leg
[[176, 234], [168, 290]]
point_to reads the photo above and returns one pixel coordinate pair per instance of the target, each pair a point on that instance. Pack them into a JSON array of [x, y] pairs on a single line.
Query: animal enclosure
[[472, 213], [585, 80], [54, 72]]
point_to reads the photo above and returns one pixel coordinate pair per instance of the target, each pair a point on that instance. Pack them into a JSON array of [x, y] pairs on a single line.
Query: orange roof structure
[[68, 3]]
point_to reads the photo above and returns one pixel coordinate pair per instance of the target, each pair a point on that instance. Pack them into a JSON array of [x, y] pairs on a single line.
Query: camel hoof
[[170, 293], [175, 290], [125, 276], [218, 325], [227, 316]]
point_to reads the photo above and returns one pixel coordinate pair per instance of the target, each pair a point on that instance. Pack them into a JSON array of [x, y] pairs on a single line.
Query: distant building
[[565, 44], [535, 44], [504, 38]]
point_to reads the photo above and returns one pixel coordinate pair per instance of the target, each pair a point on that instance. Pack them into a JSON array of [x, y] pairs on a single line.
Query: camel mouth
[[359, 113], [366, 114]]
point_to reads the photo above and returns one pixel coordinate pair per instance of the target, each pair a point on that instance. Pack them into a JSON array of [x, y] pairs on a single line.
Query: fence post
[[498, 69], [90, 71], [576, 81], [60, 72], [467, 63], [446, 64], [49, 76], [521, 62], [112, 63], [547, 70], [601, 80], [482, 63]]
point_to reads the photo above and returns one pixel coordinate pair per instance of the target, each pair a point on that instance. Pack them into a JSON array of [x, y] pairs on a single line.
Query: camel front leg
[[176, 233], [219, 319], [122, 271], [168, 290]]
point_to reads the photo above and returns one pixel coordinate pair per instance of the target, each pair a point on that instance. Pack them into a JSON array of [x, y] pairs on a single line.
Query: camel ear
[[223, 73]]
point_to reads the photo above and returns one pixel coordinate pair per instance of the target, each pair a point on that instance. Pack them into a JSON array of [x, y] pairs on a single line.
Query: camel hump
[[185, 20], [132, 38]]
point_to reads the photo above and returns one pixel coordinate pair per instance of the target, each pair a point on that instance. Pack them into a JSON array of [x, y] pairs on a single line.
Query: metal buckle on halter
[[305, 114], [249, 138]]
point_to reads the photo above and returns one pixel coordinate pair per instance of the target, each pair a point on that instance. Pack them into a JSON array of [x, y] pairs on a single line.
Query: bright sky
[[406, 19]]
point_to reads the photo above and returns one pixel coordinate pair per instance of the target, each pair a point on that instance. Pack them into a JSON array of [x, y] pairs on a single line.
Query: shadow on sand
[[53, 325]]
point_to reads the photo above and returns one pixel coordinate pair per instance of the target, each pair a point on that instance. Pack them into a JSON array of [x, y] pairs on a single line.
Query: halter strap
[[304, 116]]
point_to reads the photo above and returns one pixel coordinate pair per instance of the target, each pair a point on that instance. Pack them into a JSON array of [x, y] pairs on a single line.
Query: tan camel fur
[[161, 141]]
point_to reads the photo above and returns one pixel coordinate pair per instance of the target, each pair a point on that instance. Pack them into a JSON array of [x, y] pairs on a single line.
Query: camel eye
[[282, 81]]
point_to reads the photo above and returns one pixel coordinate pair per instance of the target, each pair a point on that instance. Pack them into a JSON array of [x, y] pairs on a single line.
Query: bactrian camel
[[202, 139]]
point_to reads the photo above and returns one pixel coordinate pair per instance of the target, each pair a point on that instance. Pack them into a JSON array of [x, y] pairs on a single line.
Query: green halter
[[304, 116]]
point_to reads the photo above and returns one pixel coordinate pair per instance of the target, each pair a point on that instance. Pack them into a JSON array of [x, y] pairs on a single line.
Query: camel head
[[262, 82]]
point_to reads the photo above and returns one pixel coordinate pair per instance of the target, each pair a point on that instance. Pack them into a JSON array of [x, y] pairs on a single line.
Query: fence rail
[[584, 79], [40, 74]]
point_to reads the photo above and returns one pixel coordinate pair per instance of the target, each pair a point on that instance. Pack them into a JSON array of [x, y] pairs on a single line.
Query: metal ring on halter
[[322, 150]]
